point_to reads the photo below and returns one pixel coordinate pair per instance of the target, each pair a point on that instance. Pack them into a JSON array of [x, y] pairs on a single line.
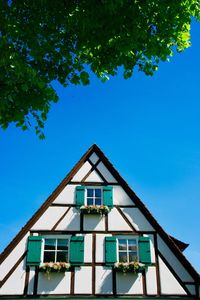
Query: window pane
[[62, 244], [98, 193], [122, 257], [49, 256], [90, 201], [62, 256], [133, 256], [132, 245], [98, 201], [122, 244], [90, 192], [50, 244]]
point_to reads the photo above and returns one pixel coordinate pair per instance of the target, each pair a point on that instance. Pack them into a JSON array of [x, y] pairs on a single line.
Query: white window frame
[[63, 237], [93, 188], [127, 251]]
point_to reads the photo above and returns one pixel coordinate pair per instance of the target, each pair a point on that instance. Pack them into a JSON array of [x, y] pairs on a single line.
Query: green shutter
[[110, 250], [144, 250], [80, 195], [108, 196], [34, 251], [77, 250]]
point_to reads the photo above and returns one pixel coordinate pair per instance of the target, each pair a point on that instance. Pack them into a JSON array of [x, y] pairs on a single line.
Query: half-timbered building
[[94, 238]]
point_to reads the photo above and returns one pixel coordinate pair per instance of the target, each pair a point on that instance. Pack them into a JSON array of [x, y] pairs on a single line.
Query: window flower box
[[55, 267], [132, 267], [95, 209]]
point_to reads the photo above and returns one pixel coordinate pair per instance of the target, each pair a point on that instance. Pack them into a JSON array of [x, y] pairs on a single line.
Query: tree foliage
[[46, 40]]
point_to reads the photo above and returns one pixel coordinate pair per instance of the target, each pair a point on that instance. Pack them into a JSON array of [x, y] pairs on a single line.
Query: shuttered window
[[77, 250], [34, 251], [127, 250], [94, 196]]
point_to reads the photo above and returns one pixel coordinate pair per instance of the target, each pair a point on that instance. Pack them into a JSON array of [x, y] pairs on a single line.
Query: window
[[94, 196], [127, 250], [55, 250]]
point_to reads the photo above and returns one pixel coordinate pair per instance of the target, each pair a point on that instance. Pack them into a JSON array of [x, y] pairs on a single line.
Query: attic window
[[127, 250], [55, 250], [94, 196]]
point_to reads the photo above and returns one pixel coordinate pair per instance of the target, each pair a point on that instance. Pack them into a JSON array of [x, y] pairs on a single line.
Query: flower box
[[95, 209], [56, 267], [132, 267]]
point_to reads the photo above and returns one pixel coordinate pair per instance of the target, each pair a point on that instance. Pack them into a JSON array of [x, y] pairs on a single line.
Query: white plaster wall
[[94, 158], [82, 172], [116, 221], [88, 248], [13, 257], [191, 288], [129, 283], [169, 284], [151, 281], [67, 196], [83, 280], [56, 283], [173, 261], [71, 221], [31, 281], [15, 283], [93, 222], [94, 177], [103, 280], [100, 247], [120, 197], [152, 248], [106, 174], [137, 219], [49, 218]]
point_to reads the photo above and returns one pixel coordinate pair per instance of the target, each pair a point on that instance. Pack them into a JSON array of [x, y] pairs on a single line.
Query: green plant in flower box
[[95, 209], [131, 267]]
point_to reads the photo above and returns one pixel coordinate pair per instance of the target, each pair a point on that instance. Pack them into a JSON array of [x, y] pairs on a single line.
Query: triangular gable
[[94, 155]]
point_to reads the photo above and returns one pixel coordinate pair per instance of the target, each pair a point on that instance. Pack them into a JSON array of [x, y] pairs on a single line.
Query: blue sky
[[148, 127]]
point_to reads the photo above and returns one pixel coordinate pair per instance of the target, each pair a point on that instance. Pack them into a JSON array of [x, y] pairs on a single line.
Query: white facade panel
[[54, 283], [137, 219], [173, 261], [67, 196], [129, 283], [82, 172], [100, 247], [94, 158], [169, 284], [151, 281], [49, 218], [15, 283], [103, 280], [106, 174], [116, 221], [13, 257], [94, 177], [88, 248], [120, 197], [83, 280], [71, 221], [93, 222], [31, 281]]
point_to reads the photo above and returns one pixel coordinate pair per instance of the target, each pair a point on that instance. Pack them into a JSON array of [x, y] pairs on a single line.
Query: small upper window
[[127, 250], [55, 250], [94, 196]]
